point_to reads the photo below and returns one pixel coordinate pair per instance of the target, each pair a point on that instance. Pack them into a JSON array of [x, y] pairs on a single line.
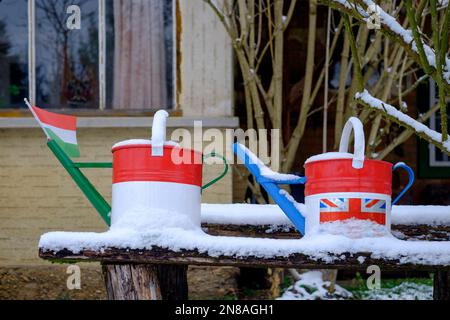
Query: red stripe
[[56, 120], [331, 204], [372, 203], [339, 176], [135, 163]]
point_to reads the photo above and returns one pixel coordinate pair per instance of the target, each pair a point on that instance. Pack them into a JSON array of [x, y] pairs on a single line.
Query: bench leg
[[441, 285], [145, 282], [131, 282], [173, 282]]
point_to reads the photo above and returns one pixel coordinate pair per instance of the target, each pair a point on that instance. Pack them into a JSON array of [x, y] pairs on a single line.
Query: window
[[13, 53], [433, 163], [88, 54], [67, 64], [436, 157]]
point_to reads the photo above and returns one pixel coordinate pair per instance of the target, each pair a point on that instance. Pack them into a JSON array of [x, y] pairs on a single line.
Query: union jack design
[[335, 209]]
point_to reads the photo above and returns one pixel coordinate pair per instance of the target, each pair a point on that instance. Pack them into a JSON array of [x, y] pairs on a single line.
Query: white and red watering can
[[341, 185], [148, 176]]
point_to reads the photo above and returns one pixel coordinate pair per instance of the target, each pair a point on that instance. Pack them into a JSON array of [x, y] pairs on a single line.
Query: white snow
[[142, 142], [375, 103], [330, 156], [354, 229], [415, 215], [311, 286], [244, 214], [143, 218], [265, 171]]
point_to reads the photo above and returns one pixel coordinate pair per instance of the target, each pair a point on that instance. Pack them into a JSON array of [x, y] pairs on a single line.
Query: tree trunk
[[145, 282], [441, 290]]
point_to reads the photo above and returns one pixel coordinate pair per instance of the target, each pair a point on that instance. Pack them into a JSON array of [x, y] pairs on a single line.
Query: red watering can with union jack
[[342, 186]]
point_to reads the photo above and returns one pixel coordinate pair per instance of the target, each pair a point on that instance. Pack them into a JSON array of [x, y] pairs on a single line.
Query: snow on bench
[[257, 215], [175, 245], [408, 222]]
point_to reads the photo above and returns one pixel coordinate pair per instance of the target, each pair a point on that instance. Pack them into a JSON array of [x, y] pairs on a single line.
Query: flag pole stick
[[37, 118], [94, 197]]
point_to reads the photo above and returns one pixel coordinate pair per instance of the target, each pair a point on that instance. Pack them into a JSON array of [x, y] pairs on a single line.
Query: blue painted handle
[[410, 172], [281, 198]]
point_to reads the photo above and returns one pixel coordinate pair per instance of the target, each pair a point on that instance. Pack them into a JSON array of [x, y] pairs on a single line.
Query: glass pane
[[140, 51], [13, 53], [67, 58]]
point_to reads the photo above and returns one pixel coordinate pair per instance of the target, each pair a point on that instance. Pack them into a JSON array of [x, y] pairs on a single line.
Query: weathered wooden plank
[[347, 261], [404, 232]]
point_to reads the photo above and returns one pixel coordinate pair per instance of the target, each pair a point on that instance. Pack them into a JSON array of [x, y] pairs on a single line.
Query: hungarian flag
[[60, 128]]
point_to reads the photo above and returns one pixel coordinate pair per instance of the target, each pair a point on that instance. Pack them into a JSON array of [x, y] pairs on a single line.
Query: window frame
[[433, 150], [173, 108], [429, 167]]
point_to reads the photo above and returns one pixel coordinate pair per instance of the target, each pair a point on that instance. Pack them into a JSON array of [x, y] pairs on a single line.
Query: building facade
[[113, 73]]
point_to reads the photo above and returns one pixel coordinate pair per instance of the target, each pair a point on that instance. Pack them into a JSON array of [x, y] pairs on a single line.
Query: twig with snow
[[434, 137], [390, 25]]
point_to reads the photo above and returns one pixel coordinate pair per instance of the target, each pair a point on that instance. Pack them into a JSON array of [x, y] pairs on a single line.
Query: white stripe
[[68, 136]]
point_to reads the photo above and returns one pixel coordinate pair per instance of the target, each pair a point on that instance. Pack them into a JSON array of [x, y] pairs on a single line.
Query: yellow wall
[[37, 195]]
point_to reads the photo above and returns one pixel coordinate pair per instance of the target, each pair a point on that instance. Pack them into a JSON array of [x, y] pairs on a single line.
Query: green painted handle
[[223, 174]]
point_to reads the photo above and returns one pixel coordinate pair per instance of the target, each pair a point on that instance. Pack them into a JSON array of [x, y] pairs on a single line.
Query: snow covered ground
[[311, 286], [404, 291]]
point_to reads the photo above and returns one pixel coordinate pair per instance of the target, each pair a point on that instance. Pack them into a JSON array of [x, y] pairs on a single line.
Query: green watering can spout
[[94, 197]]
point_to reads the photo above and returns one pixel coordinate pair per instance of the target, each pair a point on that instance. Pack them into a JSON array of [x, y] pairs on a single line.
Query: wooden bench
[[161, 273]]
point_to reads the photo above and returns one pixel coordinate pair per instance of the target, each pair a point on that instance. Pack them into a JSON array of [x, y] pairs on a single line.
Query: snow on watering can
[[149, 176], [342, 186]]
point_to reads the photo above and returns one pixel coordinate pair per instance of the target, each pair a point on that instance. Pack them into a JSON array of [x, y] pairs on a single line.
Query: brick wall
[[37, 195]]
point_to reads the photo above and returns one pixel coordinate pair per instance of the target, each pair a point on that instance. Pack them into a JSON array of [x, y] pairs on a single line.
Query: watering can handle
[[410, 172], [359, 146], [222, 175]]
